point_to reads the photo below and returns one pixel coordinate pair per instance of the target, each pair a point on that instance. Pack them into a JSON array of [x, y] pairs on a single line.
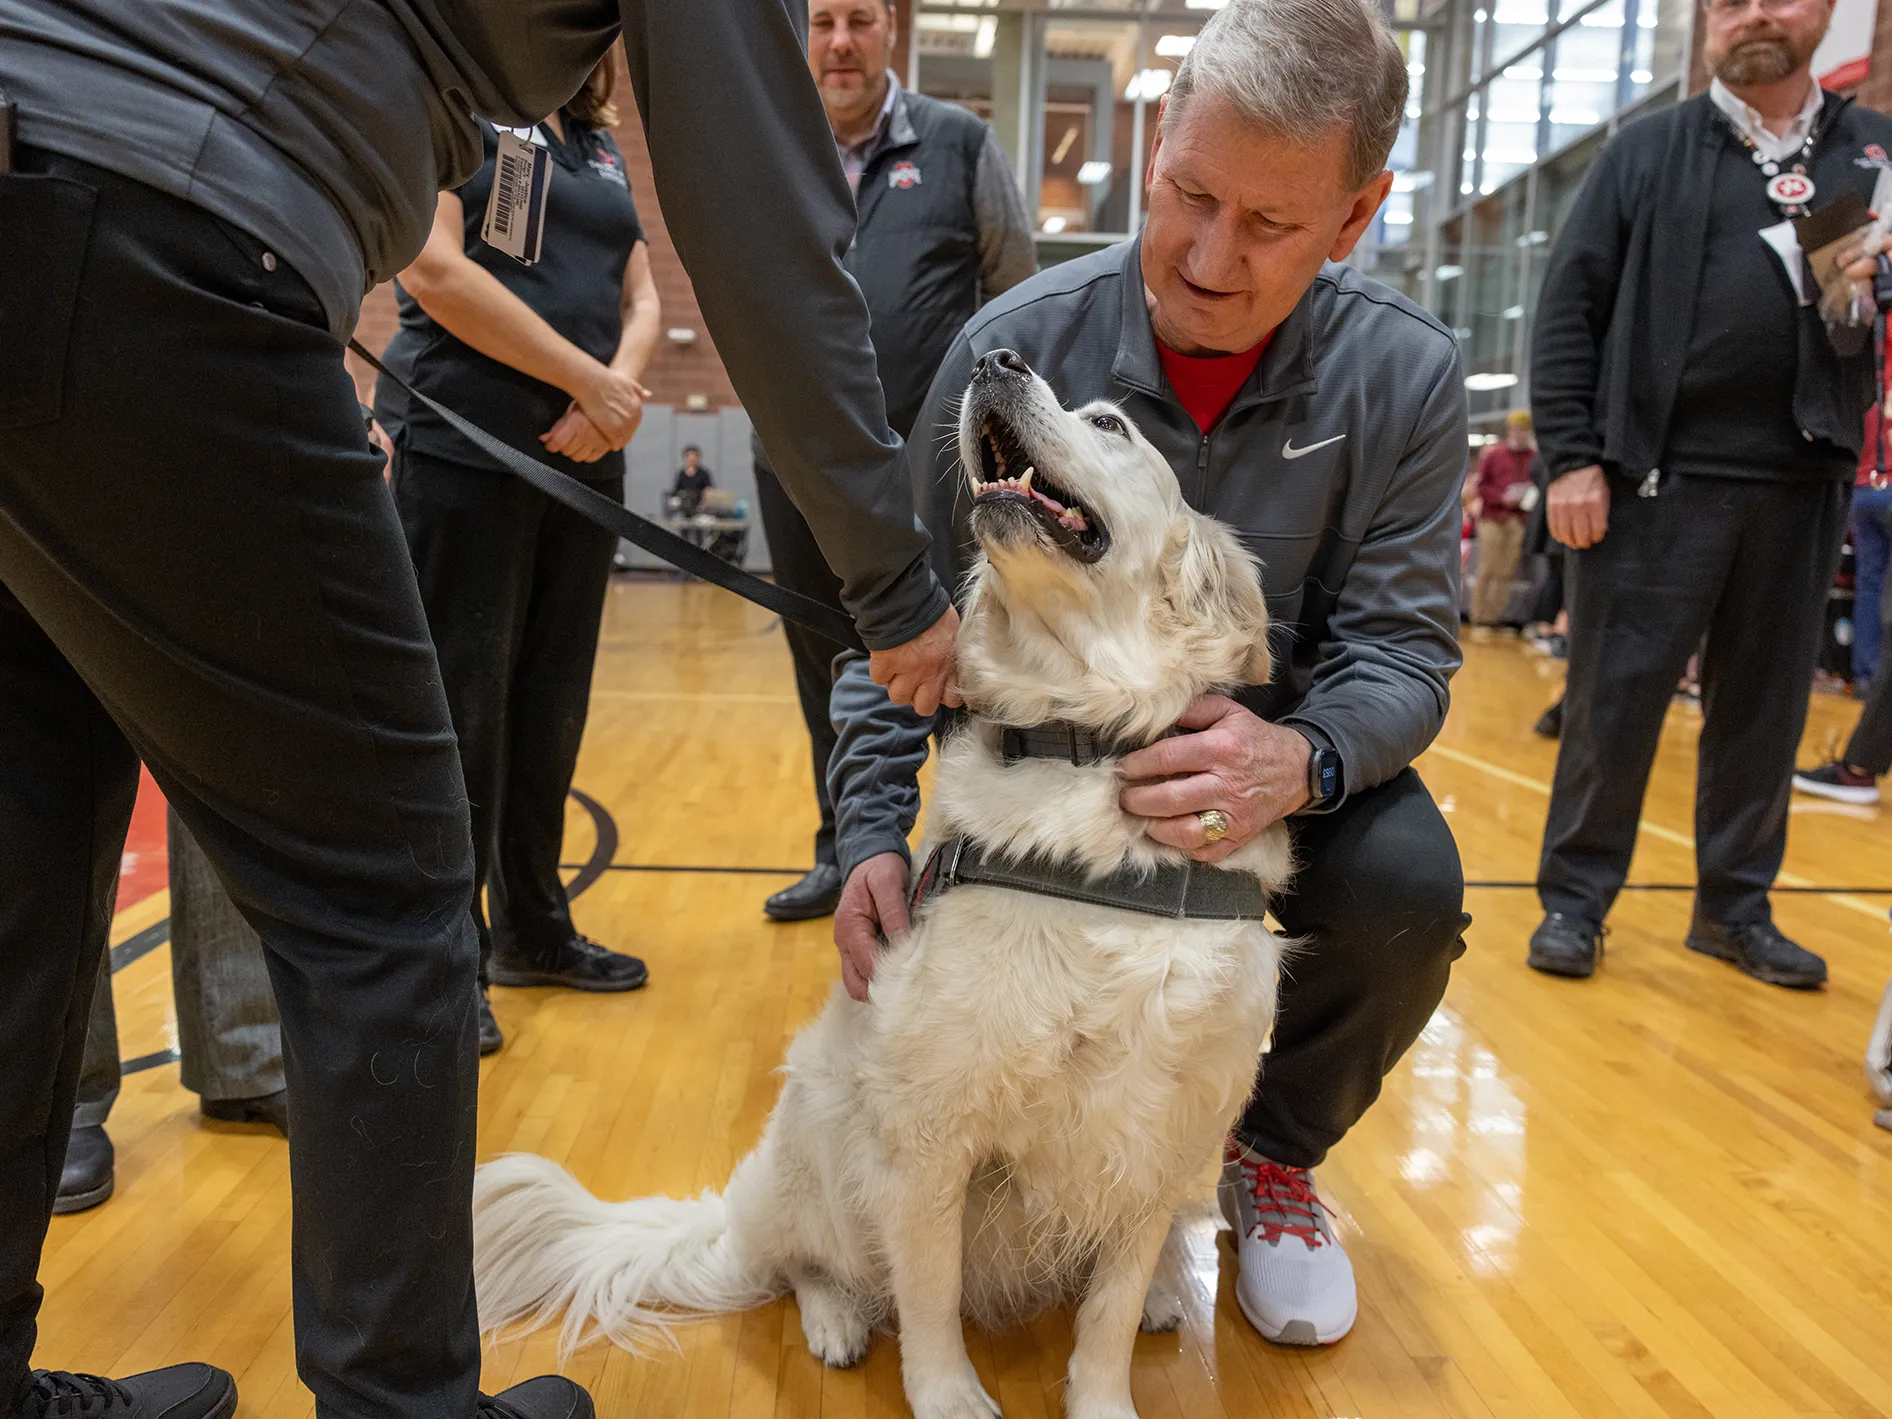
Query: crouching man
[[1322, 416]]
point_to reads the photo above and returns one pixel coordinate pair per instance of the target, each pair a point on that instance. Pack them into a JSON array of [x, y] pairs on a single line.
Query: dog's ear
[[1214, 583]]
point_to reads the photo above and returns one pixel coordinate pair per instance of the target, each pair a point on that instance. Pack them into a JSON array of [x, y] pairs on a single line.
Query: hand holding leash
[[920, 673], [1238, 765], [872, 912]]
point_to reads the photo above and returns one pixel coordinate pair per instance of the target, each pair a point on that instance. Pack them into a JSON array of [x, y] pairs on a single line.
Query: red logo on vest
[[1875, 152], [903, 175]]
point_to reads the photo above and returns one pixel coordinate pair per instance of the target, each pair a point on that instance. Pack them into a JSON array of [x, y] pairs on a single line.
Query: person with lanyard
[[1322, 416], [201, 566], [512, 582], [1700, 426], [941, 231]]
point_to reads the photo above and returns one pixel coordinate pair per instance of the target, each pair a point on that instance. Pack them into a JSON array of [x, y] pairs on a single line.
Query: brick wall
[[678, 374]]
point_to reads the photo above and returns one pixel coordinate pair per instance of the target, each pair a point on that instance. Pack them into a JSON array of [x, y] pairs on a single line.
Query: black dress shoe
[[491, 1040], [179, 1392], [87, 1179], [1758, 949], [547, 1397], [582, 964], [816, 895], [1550, 724], [1566, 946], [272, 1109]]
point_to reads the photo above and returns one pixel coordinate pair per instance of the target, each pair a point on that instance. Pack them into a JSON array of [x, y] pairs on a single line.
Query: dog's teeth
[[1024, 483]]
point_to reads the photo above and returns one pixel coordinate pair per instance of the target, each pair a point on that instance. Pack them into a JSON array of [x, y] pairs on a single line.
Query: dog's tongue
[[1051, 503]]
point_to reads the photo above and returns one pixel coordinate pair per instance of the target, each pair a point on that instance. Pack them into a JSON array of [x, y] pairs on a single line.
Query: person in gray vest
[[201, 566], [1322, 416], [1701, 425], [229, 1040], [941, 231]]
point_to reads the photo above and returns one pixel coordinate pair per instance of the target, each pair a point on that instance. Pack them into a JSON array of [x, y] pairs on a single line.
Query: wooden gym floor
[[1659, 1193]]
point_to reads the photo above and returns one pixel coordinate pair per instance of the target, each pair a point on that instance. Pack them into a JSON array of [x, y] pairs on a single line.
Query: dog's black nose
[[998, 364]]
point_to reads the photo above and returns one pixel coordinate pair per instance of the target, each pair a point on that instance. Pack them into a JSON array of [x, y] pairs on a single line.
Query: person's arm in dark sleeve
[[1006, 253], [873, 774], [753, 195], [1379, 691], [1573, 317]]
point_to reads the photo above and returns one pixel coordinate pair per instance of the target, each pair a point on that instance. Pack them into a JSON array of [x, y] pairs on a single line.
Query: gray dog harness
[[1183, 891]]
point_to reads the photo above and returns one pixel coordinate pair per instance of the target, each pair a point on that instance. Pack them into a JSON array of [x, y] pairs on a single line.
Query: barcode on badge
[[515, 212]]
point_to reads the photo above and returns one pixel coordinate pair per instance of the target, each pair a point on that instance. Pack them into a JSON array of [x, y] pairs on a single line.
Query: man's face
[[1239, 224], [1751, 44], [1518, 436], [691, 460], [850, 46]]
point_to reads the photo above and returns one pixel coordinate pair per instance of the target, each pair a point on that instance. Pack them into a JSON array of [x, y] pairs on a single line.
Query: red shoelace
[[1285, 1201]]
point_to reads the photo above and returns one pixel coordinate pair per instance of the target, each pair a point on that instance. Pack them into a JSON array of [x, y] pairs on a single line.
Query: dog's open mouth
[[1006, 474]]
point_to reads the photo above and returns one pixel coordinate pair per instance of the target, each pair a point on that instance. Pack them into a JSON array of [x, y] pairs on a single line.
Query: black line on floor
[[710, 870], [148, 1061], [1815, 890], [136, 948], [605, 849]]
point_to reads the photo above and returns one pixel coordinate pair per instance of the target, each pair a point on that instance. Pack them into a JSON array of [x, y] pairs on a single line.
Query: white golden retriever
[[1038, 1083]]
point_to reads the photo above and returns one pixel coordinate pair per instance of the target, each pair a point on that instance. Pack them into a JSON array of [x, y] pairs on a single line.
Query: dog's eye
[[1109, 423]]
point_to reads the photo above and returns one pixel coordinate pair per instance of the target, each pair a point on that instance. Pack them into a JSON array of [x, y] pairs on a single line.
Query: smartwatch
[[1323, 780]]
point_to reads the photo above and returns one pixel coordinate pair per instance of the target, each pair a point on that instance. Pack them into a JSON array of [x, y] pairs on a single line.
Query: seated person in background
[[693, 480], [1322, 416]]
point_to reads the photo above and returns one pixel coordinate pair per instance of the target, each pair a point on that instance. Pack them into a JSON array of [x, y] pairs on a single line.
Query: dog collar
[[1178, 890], [1060, 739]]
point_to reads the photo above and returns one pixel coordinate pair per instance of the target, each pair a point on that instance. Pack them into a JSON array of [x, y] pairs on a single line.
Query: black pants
[[514, 587], [800, 566], [1379, 903], [200, 565], [1748, 565], [1871, 744]]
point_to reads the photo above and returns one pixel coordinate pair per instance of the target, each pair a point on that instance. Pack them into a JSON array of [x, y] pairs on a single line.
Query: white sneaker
[[1296, 1284]]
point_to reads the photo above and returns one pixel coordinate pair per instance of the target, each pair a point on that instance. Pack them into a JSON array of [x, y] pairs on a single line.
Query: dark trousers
[[514, 588], [200, 565], [799, 566], [1871, 744], [1747, 564], [1379, 905]]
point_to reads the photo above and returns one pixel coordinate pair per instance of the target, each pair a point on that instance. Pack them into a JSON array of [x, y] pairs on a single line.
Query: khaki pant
[[1498, 546]]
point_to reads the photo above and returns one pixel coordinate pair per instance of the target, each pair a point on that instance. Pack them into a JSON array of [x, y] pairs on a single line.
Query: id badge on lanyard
[[515, 213]]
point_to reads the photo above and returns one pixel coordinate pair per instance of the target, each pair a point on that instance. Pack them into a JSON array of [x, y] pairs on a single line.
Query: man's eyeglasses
[[1728, 9]]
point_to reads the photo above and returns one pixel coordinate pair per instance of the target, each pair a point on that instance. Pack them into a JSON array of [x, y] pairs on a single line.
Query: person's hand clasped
[[575, 436], [613, 402], [872, 911], [1578, 507], [1236, 763], [920, 673]]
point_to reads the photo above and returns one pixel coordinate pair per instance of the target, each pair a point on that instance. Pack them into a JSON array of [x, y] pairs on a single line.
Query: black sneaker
[[1550, 724], [582, 965], [87, 1179], [1840, 781], [491, 1040], [180, 1392], [1758, 949], [547, 1397], [816, 895], [1566, 946]]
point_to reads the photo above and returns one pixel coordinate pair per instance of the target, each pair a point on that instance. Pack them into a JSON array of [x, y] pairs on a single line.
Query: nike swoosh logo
[[1289, 451]]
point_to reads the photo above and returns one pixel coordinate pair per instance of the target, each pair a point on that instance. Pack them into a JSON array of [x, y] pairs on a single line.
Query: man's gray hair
[[1300, 69]]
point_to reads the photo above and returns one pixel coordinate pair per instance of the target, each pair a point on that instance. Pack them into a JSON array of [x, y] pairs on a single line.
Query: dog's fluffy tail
[[543, 1246]]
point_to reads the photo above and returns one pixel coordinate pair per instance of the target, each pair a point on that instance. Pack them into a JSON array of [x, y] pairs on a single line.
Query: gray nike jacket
[[1339, 464], [325, 127]]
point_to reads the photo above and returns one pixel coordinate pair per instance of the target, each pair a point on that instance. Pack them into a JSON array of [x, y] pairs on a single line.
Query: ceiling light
[[1054, 225], [1148, 84], [988, 33], [1448, 273], [1093, 172], [1204, 4], [1483, 383], [1174, 46]]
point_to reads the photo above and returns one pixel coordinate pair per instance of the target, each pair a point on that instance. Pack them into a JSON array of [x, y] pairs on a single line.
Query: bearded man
[[1700, 427]]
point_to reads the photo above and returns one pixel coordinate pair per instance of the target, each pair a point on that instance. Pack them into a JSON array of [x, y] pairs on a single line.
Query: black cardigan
[[1619, 299]]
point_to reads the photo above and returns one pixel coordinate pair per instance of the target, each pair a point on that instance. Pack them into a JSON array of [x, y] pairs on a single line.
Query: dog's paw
[[961, 1397], [1162, 1310], [837, 1333]]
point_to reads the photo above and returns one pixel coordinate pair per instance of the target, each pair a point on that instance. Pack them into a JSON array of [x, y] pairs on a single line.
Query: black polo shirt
[[577, 285]]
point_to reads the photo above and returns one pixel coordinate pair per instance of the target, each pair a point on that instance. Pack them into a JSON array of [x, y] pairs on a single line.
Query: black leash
[[614, 517]]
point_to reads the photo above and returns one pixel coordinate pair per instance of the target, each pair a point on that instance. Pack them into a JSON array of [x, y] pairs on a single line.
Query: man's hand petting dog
[[872, 911], [1253, 772]]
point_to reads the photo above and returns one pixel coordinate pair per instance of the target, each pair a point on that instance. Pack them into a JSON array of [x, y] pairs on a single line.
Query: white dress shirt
[[1747, 121]]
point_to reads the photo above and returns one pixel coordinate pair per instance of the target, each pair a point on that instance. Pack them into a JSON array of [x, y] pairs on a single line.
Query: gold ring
[[1214, 825]]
